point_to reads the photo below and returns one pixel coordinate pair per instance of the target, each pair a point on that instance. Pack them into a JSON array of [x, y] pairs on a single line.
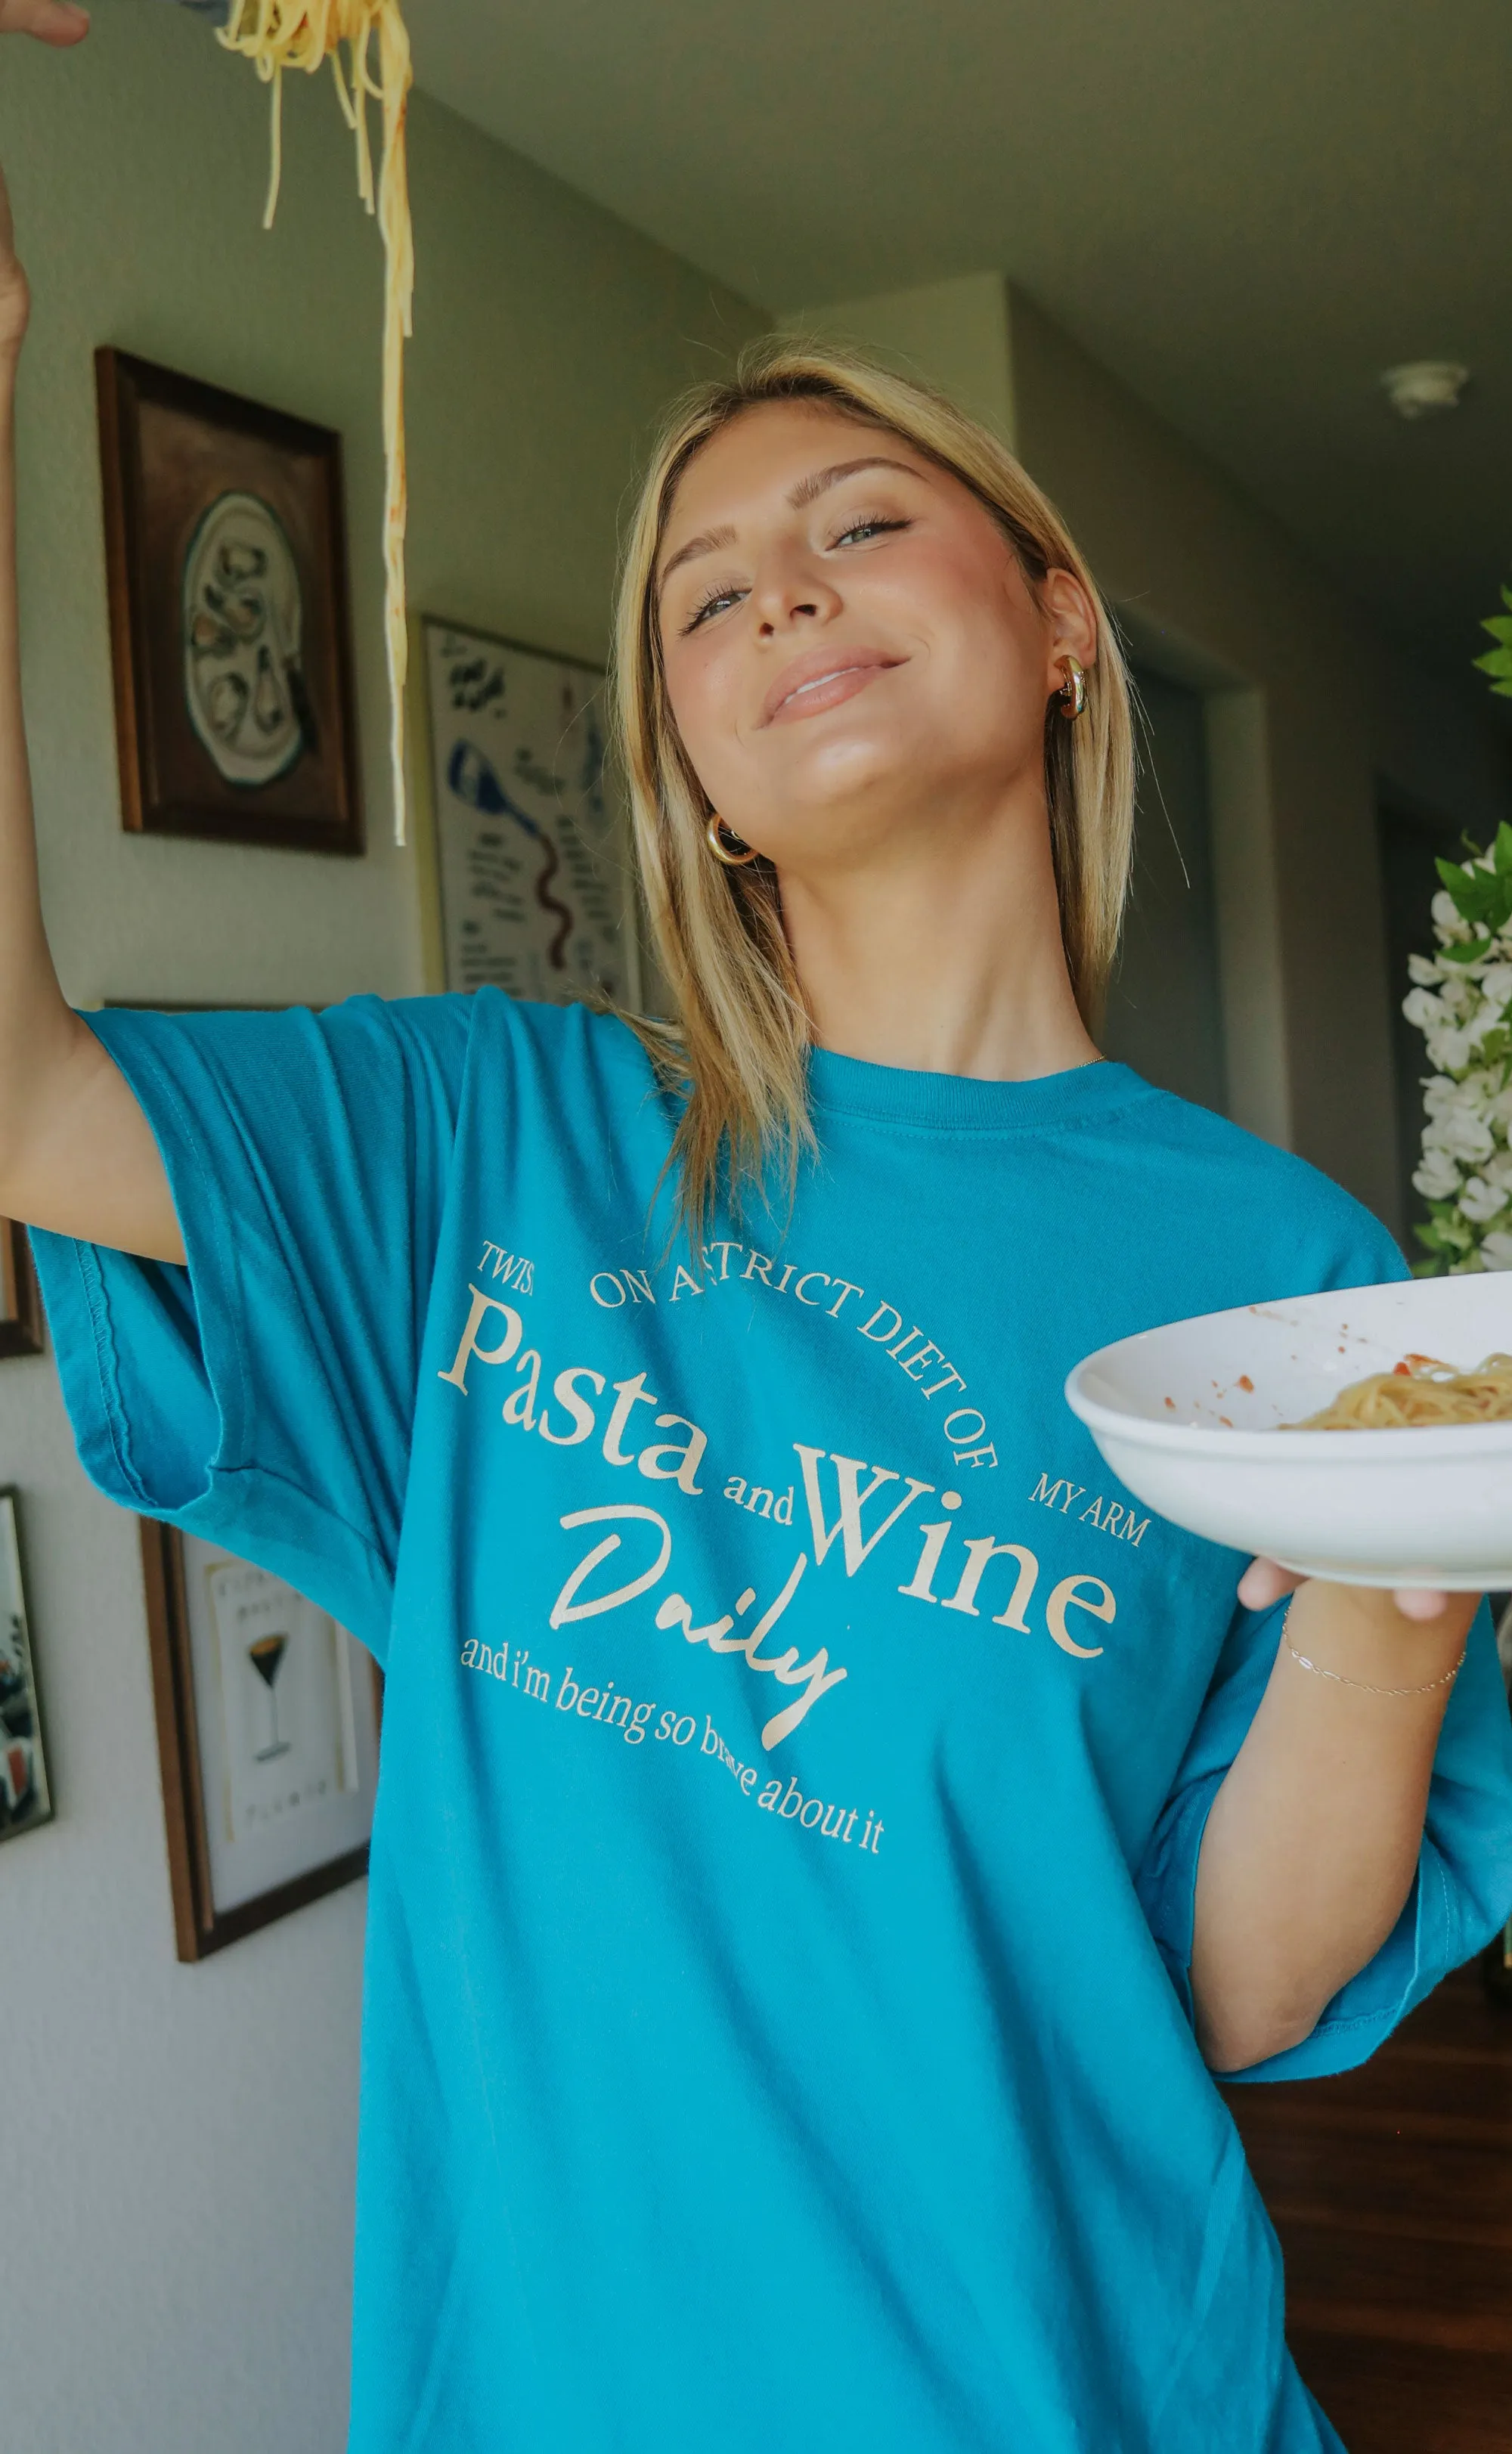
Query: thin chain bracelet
[[1428, 1688]]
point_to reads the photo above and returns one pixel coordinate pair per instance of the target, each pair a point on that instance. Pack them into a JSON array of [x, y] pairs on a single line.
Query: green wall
[[181, 2140], [547, 337]]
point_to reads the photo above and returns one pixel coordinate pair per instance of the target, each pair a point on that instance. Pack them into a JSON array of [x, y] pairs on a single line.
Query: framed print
[[20, 1302], [267, 1730], [25, 1795], [226, 563], [528, 868]]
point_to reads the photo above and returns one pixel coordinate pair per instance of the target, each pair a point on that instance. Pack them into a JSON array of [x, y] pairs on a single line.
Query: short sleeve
[[1464, 1887], [263, 1396]]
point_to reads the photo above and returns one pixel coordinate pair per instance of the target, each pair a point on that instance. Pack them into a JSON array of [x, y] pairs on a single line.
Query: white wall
[[1309, 711], [1313, 709], [176, 2143]]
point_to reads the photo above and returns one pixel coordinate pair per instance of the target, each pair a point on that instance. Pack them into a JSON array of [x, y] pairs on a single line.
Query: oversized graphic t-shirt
[[796, 1744]]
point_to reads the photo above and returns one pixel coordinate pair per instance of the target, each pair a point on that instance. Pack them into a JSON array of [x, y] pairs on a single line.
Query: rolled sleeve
[[1463, 1889], [262, 1395]]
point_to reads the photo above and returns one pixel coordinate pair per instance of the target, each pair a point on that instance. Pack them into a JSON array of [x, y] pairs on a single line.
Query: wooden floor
[[1391, 2188]]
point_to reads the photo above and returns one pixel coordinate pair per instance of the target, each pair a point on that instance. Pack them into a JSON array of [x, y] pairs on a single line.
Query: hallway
[[1391, 2188]]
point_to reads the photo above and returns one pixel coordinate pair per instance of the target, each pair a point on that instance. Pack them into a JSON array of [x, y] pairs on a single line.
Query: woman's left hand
[[1264, 1582], [1312, 1842]]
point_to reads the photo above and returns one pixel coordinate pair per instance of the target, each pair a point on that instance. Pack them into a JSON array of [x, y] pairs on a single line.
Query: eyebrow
[[808, 489]]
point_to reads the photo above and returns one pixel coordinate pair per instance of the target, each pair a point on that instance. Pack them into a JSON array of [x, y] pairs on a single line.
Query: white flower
[[1440, 1093], [1499, 1170], [1496, 1252], [1449, 1049], [1480, 1202], [1452, 930], [1496, 983], [1437, 1178], [1425, 1011], [1461, 1133], [1422, 969], [1457, 994]]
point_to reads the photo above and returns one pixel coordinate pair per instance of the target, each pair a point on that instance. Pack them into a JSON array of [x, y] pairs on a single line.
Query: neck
[[942, 959]]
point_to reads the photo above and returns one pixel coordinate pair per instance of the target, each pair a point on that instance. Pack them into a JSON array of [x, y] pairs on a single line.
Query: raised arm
[[76, 1151]]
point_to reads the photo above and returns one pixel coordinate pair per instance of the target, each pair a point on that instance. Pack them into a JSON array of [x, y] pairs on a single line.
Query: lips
[[823, 677]]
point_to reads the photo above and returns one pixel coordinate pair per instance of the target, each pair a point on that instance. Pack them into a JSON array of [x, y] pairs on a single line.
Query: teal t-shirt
[[796, 1747]]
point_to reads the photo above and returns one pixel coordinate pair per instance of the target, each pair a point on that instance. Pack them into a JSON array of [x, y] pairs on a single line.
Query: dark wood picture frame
[[199, 1927], [21, 1323], [229, 655], [22, 1732]]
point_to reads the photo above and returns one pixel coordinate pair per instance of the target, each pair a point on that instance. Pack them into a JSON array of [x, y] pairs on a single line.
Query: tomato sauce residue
[[1245, 1383]]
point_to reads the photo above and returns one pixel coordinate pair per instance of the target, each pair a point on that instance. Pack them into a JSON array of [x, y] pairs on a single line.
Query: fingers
[[1414, 1603], [1263, 1583], [57, 22]]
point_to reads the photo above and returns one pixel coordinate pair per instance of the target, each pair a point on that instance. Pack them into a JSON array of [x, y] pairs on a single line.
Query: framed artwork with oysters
[[229, 626]]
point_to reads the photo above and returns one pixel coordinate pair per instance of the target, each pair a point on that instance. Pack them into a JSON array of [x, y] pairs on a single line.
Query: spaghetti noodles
[[1417, 1393], [279, 34]]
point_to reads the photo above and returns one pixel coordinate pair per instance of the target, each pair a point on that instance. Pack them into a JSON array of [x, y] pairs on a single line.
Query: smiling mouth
[[829, 688]]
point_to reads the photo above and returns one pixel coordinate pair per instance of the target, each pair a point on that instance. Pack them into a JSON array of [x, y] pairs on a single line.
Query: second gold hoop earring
[[1073, 690], [719, 845]]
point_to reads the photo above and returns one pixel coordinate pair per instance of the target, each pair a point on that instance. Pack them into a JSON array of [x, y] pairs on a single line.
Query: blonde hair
[[736, 1055]]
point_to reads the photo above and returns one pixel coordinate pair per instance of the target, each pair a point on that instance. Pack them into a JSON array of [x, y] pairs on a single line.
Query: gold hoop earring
[[1073, 694], [714, 836]]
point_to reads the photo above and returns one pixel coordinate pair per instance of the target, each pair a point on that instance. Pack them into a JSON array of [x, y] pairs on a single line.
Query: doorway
[[1164, 1010], [1410, 844]]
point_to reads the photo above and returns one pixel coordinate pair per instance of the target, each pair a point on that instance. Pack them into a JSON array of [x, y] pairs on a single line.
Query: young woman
[[827, 1830]]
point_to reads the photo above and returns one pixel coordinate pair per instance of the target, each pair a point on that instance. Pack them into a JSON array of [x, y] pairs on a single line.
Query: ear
[[1071, 625]]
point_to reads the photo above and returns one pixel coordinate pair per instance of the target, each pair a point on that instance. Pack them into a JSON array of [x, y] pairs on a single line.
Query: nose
[[791, 590]]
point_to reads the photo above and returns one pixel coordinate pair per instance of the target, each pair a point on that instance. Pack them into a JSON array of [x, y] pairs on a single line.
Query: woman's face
[[854, 657]]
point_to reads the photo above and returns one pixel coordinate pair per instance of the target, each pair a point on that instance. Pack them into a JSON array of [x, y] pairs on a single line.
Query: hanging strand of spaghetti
[[280, 34]]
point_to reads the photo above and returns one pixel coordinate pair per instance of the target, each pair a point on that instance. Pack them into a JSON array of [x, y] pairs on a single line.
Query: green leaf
[[1479, 896], [1470, 954], [1501, 848], [1499, 626], [1433, 1269], [1496, 660]]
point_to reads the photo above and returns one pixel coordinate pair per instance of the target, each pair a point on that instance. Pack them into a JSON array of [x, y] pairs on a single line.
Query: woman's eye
[[862, 529], [714, 603]]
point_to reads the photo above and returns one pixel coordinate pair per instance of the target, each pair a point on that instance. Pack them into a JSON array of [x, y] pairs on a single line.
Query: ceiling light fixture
[[1424, 387]]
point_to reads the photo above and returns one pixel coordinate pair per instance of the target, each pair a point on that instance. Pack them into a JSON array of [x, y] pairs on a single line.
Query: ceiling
[[1245, 211]]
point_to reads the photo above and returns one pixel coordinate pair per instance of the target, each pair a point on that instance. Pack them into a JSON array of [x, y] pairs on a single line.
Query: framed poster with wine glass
[[268, 1718]]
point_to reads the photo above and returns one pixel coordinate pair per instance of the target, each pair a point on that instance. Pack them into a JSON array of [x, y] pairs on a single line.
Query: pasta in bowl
[[1354, 1436]]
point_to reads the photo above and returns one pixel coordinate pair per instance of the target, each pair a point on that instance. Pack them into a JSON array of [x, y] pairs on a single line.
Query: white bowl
[[1172, 1415]]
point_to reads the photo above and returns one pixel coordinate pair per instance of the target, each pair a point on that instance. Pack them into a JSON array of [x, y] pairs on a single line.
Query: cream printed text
[[612, 1708], [1090, 1508], [916, 1356], [852, 1508]]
